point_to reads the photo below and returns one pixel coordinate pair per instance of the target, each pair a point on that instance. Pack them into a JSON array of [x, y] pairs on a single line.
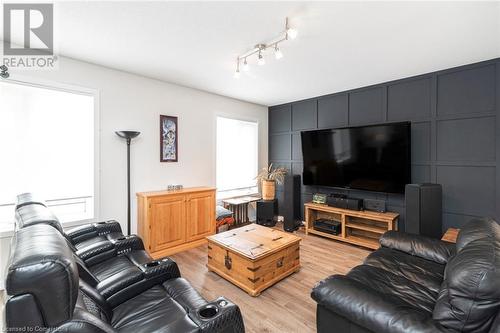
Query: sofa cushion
[[371, 308], [424, 272], [469, 299], [111, 267], [395, 287], [152, 311]]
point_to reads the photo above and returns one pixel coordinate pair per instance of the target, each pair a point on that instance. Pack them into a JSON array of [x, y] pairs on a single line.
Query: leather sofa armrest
[[420, 246], [86, 231], [370, 309], [95, 250]]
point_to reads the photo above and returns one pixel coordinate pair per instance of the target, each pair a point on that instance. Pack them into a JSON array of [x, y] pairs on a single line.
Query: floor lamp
[[128, 135]]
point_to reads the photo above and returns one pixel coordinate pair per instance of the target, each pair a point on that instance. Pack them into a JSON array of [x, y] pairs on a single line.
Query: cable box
[[329, 226]]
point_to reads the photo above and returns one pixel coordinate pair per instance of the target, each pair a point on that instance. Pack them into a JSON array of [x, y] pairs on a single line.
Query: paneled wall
[[455, 134]]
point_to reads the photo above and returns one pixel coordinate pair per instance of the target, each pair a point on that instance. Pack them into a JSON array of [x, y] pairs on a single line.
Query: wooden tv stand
[[362, 228]]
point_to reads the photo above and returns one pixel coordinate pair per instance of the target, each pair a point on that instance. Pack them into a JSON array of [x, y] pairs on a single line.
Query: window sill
[[7, 229]]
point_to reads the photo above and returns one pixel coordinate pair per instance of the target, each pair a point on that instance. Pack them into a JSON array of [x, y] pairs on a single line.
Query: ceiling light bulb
[[261, 60], [292, 33], [246, 67], [277, 52]]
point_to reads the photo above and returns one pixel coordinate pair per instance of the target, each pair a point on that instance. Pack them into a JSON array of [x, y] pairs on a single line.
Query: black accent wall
[[455, 135]]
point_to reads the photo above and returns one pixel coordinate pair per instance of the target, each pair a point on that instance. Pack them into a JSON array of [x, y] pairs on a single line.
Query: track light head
[[277, 52], [237, 71], [246, 67], [291, 33], [261, 60]]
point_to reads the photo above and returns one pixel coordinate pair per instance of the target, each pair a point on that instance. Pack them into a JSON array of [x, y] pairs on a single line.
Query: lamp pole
[[128, 135]]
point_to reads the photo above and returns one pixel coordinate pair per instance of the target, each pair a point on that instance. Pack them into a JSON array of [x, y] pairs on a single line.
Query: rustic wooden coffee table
[[254, 257]]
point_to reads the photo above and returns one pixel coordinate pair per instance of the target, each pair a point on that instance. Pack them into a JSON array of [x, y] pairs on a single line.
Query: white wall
[[131, 102]]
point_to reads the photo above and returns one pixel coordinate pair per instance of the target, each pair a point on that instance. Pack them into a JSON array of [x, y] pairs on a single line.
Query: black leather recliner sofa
[[50, 286], [417, 284]]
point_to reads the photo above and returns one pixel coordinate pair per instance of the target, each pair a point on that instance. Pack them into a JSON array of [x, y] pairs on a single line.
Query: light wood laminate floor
[[287, 306]]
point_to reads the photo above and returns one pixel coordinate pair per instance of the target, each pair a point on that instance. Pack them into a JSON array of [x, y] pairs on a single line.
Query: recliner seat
[[44, 291], [418, 284], [111, 265]]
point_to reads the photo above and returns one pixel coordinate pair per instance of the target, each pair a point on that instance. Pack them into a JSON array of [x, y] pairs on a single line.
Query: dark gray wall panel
[[366, 106], [420, 142], [455, 134], [420, 174], [451, 220], [468, 190], [280, 147], [304, 115], [296, 147], [409, 100], [280, 119], [467, 91], [466, 139], [333, 111]]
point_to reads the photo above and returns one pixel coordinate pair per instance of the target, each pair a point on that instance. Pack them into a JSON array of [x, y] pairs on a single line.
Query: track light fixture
[[246, 67], [261, 61], [277, 52], [288, 34], [237, 72]]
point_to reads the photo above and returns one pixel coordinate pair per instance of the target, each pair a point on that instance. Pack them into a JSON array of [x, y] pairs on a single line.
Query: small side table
[[239, 207], [450, 235]]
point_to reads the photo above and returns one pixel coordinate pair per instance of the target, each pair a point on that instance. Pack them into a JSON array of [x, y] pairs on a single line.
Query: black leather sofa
[[418, 284], [49, 285]]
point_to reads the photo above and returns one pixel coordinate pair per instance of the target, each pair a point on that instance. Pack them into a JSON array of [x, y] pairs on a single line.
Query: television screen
[[372, 158]]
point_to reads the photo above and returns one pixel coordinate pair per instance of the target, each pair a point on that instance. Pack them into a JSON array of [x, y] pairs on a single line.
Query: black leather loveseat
[[106, 285], [418, 284]]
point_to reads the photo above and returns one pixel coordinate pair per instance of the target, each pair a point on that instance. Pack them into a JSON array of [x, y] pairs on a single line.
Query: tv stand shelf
[[362, 228]]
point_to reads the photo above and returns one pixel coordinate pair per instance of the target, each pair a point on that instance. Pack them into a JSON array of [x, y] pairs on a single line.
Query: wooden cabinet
[[174, 221]]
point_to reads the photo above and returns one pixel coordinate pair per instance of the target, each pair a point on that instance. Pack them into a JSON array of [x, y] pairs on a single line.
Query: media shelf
[[362, 228]]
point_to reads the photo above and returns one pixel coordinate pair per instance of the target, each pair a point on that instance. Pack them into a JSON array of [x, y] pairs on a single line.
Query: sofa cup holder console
[[208, 311]]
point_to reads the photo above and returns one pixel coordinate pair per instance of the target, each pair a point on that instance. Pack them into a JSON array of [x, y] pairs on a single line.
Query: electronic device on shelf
[[319, 198], [372, 158], [375, 205], [329, 226], [345, 203]]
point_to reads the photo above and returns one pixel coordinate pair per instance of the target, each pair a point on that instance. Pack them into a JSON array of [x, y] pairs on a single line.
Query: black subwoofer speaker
[[291, 203], [424, 209], [267, 212]]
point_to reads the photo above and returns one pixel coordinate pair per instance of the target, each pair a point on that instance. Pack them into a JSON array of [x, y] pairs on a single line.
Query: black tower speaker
[[423, 209], [291, 203], [267, 212]]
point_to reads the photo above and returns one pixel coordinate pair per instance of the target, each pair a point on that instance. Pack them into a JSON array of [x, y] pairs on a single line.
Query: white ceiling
[[341, 45]]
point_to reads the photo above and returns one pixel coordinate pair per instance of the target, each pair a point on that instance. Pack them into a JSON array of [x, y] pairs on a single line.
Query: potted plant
[[267, 179]]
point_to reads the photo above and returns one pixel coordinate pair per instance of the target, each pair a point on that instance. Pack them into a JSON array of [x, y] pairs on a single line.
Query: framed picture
[[168, 139]]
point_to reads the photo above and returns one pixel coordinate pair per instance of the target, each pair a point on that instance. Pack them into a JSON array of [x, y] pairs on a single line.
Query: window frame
[[74, 89], [237, 191]]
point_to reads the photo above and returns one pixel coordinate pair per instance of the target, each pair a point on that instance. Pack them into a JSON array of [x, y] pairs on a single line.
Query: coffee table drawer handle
[[279, 263], [228, 262]]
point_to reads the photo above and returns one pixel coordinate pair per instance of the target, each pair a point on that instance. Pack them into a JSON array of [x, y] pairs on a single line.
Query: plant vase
[[268, 189]]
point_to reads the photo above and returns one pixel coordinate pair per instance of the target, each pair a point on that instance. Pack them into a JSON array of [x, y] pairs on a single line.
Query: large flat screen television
[[373, 158]]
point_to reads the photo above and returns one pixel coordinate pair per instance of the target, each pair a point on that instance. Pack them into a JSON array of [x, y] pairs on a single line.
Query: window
[[237, 156], [47, 147]]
